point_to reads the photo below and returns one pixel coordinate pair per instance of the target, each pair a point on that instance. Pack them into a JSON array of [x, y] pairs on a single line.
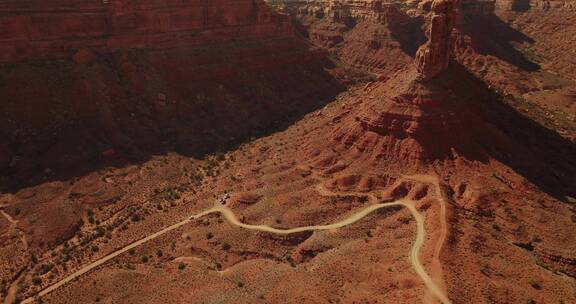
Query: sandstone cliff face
[[433, 57], [55, 29], [89, 82], [347, 10]]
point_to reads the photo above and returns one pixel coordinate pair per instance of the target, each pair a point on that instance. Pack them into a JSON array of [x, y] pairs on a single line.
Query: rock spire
[[433, 57]]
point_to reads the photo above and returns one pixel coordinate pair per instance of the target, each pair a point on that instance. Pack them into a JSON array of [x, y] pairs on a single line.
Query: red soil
[[129, 146]]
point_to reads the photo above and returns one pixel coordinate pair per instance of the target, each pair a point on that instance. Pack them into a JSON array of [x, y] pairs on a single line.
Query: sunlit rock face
[[433, 57]]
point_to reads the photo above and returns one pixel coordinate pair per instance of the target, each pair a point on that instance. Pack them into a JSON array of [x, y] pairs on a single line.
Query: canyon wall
[[525, 5], [374, 35], [87, 83], [54, 29], [347, 10]]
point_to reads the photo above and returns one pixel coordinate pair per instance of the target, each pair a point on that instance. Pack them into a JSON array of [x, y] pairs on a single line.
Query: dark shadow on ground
[[492, 36], [408, 32], [520, 5], [123, 110], [492, 129]]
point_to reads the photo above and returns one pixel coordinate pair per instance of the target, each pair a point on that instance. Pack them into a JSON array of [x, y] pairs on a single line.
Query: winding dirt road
[[12, 290], [436, 290]]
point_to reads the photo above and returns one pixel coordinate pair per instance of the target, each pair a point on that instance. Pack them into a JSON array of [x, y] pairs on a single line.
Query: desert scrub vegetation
[[535, 284], [290, 260], [226, 246]]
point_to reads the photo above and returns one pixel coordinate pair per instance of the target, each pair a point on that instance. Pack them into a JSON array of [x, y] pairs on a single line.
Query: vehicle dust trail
[[231, 217]]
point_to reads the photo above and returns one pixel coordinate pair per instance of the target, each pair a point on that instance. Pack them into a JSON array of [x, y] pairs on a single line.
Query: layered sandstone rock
[[376, 35], [478, 7], [526, 5], [346, 11], [433, 57], [55, 29], [110, 81]]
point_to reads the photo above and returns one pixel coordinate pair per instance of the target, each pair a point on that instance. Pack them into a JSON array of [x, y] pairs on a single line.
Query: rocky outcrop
[[32, 29], [347, 11], [375, 35], [526, 5], [433, 57], [557, 261]]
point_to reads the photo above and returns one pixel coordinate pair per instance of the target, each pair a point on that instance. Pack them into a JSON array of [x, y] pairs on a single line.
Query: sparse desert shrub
[[226, 246], [290, 260], [181, 266], [36, 280], [135, 217], [535, 284]]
